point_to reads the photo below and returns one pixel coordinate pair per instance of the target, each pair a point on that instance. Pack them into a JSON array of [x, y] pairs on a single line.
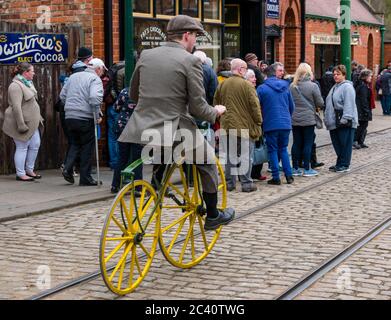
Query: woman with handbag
[[308, 100], [22, 120], [341, 118]]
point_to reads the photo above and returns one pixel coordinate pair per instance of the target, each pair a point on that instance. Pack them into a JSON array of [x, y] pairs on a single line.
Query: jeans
[[82, 133], [361, 132], [303, 139], [128, 153], [239, 163], [342, 139], [26, 153], [386, 104], [277, 146], [112, 118]]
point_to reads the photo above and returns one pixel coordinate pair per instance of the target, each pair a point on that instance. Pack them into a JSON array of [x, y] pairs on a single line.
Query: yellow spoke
[[174, 207], [141, 200], [183, 178], [176, 236], [178, 191], [186, 241], [192, 244], [150, 235], [142, 214], [138, 265], [145, 251], [132, 266], [184, 217], [194, 198], [121, 274], [112, 253], [121, 261], [221, 186], [203, 233], [119, 225], [120, 238]]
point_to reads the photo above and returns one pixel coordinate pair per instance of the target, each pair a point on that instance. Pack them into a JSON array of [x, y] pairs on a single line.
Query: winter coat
[[326, 83], [304, 115], [82, 95], [243, 109], [277, 104], [385, 83], [344, 97], [210, 82], [223, 75], [23, 116], [363, 101]]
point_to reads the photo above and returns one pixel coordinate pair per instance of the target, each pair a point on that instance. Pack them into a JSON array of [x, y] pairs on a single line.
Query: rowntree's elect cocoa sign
[[33, 48]]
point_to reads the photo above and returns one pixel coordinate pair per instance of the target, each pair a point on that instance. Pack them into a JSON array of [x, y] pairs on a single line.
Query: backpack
[[111, 90]]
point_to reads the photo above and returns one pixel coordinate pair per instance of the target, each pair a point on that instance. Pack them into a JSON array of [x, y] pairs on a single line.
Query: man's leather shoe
[[114, 190], [91, 182], [289, 180], [223, 218], [68, 177], [230, 188]]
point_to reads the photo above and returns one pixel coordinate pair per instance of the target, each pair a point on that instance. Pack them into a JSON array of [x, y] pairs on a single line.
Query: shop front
[[151, 19]]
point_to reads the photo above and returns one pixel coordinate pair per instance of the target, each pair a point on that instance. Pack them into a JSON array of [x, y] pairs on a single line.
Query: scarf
[[26, 82]]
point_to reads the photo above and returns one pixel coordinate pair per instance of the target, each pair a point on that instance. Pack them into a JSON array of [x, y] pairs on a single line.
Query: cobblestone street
[[257, 256]]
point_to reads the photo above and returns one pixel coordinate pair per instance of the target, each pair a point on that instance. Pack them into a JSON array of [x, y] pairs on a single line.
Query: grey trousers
[[238, 163]]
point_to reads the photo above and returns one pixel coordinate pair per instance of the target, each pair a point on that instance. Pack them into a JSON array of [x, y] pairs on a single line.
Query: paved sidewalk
[[52, 192]]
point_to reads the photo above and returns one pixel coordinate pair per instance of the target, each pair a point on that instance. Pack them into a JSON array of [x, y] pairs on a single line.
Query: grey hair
[[249, 73], [365, 73], [271, 70], [200, 54]]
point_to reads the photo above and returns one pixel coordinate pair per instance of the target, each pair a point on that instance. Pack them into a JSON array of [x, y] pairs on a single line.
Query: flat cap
[[183, 23]]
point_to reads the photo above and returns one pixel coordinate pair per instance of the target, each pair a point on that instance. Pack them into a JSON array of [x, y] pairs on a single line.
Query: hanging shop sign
[[273, 9], [33, 48]]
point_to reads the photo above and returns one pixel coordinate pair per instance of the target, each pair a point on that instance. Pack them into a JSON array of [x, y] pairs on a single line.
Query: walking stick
[[96, 148]]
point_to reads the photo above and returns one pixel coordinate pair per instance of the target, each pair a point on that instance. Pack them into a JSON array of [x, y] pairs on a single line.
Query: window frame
[[220, 14], [166, 16], [199, 10], [146, 15], [238, 22]]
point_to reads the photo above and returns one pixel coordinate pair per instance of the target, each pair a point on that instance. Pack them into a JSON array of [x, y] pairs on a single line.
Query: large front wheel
[[183, 239]]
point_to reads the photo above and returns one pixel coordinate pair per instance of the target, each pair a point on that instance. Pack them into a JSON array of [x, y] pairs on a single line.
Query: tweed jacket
[[23, 116], [167, 86]]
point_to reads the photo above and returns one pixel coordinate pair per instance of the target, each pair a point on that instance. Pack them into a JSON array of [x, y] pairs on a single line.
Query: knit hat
[[84, 53], [250, 57]]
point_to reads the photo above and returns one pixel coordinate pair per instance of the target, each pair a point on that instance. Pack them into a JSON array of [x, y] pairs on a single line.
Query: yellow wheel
[[128, 240], [183, 240]]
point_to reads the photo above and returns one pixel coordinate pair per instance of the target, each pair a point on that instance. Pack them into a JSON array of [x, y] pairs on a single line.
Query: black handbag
[[339, 115]]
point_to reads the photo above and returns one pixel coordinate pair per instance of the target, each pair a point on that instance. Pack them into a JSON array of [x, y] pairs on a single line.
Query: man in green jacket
[[242, 124]]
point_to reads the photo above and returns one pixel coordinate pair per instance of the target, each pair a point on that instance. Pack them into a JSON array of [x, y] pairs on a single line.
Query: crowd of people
[[252, 100]]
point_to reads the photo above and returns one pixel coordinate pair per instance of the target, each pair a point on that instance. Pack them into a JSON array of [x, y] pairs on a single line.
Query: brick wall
[[387, 52]]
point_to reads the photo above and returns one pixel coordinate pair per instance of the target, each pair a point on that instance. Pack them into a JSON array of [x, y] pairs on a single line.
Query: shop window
[[210, 43], [149, 34], [191, 8], [232, 15], [212, 10], [232, 42], [143, 7], [166, 7]]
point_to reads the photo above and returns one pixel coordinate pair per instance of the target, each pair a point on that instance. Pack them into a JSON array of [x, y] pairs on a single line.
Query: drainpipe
[[263, 28], [382, 32], [303, 30], [108, 16], [346, 51], [129, 40]]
